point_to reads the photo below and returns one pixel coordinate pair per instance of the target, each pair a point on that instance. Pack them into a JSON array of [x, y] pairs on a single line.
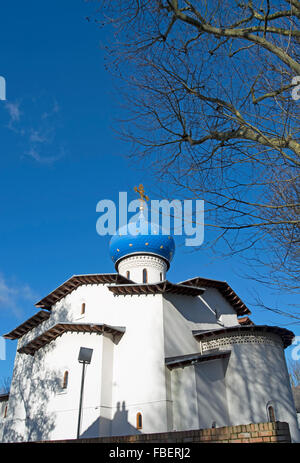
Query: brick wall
[[261, 432]]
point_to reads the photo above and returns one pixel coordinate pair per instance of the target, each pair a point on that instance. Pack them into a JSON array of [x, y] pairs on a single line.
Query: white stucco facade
[[142, 366], [140, 267]]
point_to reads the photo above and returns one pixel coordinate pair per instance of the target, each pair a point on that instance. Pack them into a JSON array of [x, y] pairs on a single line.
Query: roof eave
[[285, 335]]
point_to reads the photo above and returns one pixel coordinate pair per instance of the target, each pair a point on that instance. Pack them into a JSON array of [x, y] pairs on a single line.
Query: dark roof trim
[[31, 323], [4, 397], [245, 321], [190, 359], [285, 335], [74, 282], [226, 291], [155, 288], [60, 328]]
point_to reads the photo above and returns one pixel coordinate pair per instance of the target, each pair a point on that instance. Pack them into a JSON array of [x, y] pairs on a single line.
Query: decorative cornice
[[243, 334], [142, 261], [256, 338], [142, 254]]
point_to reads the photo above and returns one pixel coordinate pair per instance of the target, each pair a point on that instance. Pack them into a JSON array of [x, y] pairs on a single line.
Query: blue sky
[[60, 155]]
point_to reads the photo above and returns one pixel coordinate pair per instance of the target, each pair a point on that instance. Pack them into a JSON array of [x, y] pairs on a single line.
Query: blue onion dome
[[141, 237]]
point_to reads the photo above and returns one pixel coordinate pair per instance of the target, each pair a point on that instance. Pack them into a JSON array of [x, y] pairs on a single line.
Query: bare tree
[[210, 87], [294, 372]]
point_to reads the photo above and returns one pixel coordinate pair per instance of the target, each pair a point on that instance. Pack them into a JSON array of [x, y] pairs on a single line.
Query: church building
[[165, 356]]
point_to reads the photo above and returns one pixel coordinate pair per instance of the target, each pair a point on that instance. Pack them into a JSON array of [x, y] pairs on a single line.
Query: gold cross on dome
[[140, 190]]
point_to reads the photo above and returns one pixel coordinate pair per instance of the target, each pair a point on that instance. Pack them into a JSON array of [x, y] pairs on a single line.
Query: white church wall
[[106, 403], [19, 407], [40, 407], [255, 377], [184, 397], [225, 313], [182, 314], [211, 393], [65, 403], [140, 353], [178, 337], [139, 368], [14, 426], [155, 266], [62, 311], [170, 411], [101, 306], [199, 396], [129, 376], [206, 312], [3, 418], [2, 423]]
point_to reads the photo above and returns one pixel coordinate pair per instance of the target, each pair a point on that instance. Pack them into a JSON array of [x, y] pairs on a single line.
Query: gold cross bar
[[140, 190]]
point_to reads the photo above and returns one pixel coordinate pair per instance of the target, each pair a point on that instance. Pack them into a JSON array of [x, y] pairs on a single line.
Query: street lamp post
[[84, 357]]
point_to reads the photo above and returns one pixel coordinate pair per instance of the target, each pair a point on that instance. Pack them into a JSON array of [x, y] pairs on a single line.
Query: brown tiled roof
[[74, 282], [245, 321], [155, 288], [31, 323], [185, 360], [61, 328], [225, 290], [285, 335]]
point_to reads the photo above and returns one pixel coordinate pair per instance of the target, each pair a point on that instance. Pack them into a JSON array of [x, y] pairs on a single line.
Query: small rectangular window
[[83, 308], [65, 380], [139, 421], [271, 413], [145, 276]]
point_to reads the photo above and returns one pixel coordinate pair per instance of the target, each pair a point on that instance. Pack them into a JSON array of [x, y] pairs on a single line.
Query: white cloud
[[13, 110], [40, 138], [13, 295], [40, 156], [37, 137], [55, 109]]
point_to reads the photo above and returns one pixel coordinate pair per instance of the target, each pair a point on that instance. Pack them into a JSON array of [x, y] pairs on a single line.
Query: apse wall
[[255, 378]]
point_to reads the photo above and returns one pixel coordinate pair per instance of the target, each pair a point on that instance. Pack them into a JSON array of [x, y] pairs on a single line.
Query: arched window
[[65, 380], [128, 275], [160, 276], [145, 276], [83, 308], [139, 421], [271, 413]]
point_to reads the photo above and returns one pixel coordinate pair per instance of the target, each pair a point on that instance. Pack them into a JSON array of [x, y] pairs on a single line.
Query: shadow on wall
[[118, 425], [195, 310], [28, 418], [32, 387], [240, 394]]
